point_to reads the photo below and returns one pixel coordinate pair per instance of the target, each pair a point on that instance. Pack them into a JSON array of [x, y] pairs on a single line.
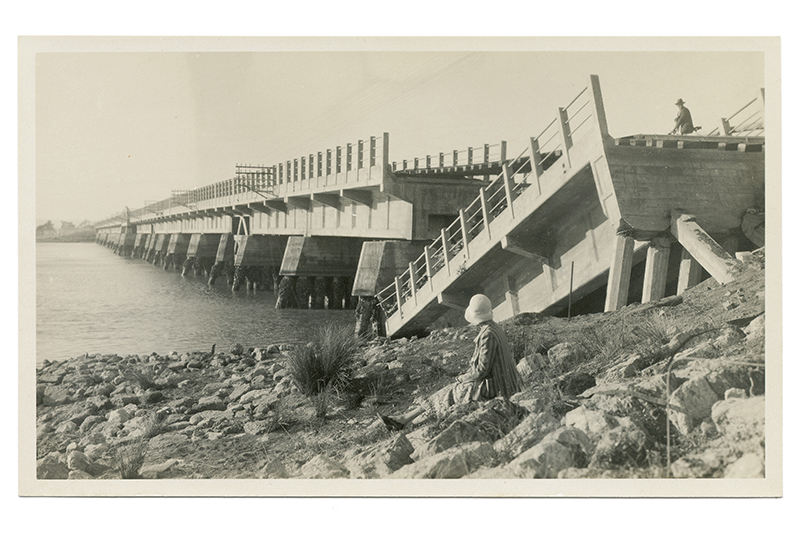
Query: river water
[[90, 300]]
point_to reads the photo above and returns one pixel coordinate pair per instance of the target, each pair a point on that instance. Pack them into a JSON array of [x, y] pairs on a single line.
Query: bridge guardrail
[[492, 201]]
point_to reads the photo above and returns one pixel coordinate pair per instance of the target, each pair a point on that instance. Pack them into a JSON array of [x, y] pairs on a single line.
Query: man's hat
[[679, 102]]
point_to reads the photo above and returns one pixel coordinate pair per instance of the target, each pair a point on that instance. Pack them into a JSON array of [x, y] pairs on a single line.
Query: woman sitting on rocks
[[492, 370]]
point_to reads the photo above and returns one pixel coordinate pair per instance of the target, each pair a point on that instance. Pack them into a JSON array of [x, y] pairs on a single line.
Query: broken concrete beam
[[703, 248]]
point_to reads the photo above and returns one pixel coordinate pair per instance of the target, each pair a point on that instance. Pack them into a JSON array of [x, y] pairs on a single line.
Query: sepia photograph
[[400, 266]]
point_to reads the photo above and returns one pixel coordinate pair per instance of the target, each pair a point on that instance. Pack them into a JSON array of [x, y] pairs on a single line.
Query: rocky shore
[[594, 403]]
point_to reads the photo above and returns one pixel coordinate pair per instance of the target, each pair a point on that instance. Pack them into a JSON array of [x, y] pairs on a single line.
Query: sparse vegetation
[[328, 360], [130, 458], [145, 377]]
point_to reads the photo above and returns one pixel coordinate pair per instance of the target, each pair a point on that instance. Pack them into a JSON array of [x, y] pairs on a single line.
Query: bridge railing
[[484, 154], [747, 121], [495, 198], [351, 164]]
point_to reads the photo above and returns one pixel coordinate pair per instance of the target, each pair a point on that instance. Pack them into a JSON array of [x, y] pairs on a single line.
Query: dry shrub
[[144, 377], [328, 360], [130, 458]]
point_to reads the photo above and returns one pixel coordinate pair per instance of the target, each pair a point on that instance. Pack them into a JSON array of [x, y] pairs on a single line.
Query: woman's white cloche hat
[[479, 310]]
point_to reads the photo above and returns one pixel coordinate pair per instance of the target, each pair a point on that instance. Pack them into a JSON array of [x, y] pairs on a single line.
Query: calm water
[[90, 300]]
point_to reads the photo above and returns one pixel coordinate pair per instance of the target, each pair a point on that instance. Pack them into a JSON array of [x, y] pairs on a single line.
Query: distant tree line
[[66, 232]]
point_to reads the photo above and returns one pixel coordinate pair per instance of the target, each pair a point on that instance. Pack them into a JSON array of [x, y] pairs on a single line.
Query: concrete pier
[[201, 253], [330, 258], [176, 251], [257, 260], [139, 245], [655, 274], [619, 274], [224, 259], [160, 249], [126, 242]]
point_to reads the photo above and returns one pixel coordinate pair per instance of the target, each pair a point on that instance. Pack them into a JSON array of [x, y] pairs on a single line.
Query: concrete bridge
[[578, 218]]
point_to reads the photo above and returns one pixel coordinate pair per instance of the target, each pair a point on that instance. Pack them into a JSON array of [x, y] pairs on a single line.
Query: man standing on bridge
[[683, 122]]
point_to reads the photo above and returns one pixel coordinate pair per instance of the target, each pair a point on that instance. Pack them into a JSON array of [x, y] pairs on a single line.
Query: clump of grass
[[328, 360], [130, 459], [152, 427], [527, 341], [144, 377]]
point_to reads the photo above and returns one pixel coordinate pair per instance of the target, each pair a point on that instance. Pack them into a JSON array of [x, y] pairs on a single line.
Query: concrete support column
[[655, 270], [370, 321], [619, 273], [703, 248], [224, 259], [286, 293], [690, 272]]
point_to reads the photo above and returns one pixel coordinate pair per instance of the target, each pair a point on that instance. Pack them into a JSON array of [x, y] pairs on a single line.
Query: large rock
[[209, 403], [56, 395], [741, 421], [593, 423], [322, 467], [566, 355], [158, 470], [79, 461], [699, 465], [621, 447], [488, 422], [89, 422], [52, 467], [274, 469], [695, 398], [750, 465], [382, 459], [560, 449], [454, 463], [260, 397], [527, 434]]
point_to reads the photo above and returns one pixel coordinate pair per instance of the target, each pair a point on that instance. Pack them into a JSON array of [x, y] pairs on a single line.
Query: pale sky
[[116, 129]]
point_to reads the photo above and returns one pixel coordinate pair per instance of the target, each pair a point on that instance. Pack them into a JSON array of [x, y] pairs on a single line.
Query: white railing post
[[445, 250], [428, 261], [507, 186], [464, 233], [485, 211], [598, 110], [536, 163], [398, 295], [724, 126], [502, 151], [385, 152], [566, 140], [412, 281]]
